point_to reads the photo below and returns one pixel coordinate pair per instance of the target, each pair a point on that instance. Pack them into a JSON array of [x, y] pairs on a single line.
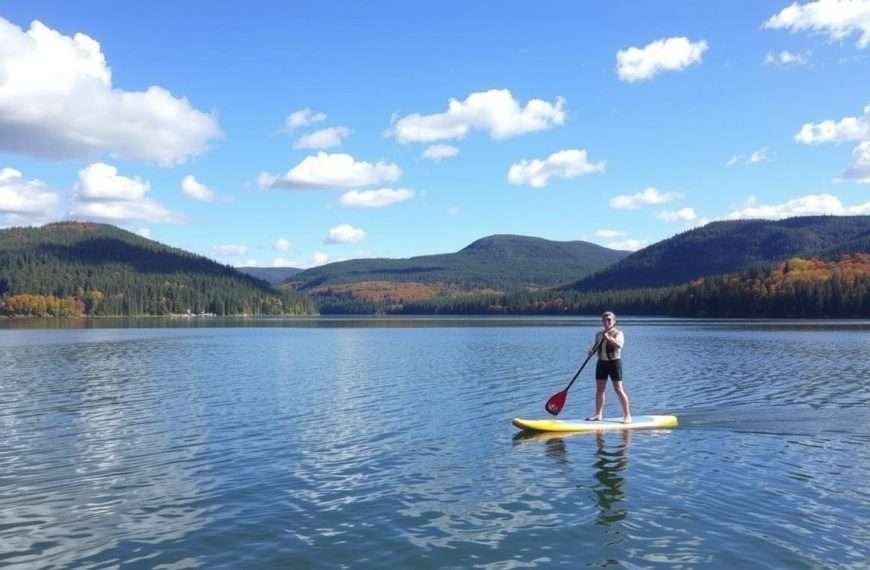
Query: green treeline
[[112, 272], [796, 288]]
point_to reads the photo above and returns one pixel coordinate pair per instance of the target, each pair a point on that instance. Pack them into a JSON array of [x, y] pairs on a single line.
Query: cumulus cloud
[[648, 197], [324, 138], [436, 152], [838, 19], [281, 244], [345, 233], [375, 198], [144, 232], [849, 129], [283, 262], [670, 54], [25, 201], [859, 169], [57, 102], [681, 215], [786, 57], [844, 130], [811, 205], [495, 111], [609, 234], [195, 190], [248, 263], [569, 163], [331, 171], [627, 244], [319, 258], [103, 194], [302, 118], [229, 250]]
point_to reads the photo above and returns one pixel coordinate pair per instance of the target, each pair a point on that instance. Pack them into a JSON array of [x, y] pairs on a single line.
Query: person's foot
[[626, 420], [595, 418]]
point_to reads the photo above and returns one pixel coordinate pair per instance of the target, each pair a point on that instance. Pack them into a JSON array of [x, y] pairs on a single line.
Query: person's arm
[[615, 338]]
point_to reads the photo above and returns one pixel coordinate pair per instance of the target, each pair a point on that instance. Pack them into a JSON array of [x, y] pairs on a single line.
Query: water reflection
[[610, 465]]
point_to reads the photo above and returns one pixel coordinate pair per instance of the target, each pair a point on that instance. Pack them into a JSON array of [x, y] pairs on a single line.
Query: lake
[[387, 443]]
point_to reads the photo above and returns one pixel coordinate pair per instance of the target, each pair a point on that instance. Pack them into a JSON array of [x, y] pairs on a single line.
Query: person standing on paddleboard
[[609, 343]]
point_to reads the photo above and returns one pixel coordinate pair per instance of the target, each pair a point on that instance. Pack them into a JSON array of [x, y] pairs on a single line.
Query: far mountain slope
[[499, 262], [732, 246]]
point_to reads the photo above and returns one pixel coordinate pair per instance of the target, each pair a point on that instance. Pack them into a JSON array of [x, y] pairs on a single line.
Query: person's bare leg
[[600, 387], [623, 400]]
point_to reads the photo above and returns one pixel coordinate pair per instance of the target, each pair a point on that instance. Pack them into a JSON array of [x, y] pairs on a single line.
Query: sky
[[301, 133]]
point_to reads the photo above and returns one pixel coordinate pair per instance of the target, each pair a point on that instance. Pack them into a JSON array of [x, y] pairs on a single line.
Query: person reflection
[[609, 465]]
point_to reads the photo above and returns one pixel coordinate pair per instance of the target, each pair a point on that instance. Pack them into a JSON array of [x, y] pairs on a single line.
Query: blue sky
[[619, 123]]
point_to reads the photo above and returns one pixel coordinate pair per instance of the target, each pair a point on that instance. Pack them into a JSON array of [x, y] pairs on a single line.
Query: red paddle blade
[[556, 402]]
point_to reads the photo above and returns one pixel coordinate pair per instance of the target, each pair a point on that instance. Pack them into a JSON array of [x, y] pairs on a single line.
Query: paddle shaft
[[594, 350]]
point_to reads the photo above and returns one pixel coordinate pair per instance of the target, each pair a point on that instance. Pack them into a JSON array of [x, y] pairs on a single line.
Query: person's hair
[[608, 314]]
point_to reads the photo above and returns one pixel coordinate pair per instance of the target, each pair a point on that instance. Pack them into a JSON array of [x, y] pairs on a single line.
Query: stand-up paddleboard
[[637, 422]]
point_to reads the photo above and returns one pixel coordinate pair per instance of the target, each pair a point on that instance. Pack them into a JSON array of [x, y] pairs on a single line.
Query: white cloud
[[847, 129], [57, 102], [436, 152], [324, 138], [103, 194], [670, 54], [281, 244], [453, 211], [283, 262], [330, 171], [345, 233], [759, 155], [563, 164], [627, 245], [837, 19], [495, 111], [786, 57], [194, 189], [248, 263], [609, 234], [812, 205], [648, 197], [302, 118], [859, 169], [229, 250], [24, 198], [375, 198], [101, 181], [682, 215], [319, 258], [144, 232]]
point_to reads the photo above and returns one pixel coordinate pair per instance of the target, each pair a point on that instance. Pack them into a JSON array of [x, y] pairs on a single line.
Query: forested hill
[[273, 275], [732, 246], [103, 270], [499, 262]]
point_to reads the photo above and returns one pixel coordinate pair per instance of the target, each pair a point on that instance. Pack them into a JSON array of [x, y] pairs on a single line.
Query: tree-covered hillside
[[104, 270], [499, 263], [731, 246]]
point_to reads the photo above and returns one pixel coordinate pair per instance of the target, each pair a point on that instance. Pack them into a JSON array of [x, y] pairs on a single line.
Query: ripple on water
[[391, 447]]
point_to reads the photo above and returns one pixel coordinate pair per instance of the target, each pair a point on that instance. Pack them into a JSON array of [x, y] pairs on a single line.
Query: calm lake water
[[329, 443]]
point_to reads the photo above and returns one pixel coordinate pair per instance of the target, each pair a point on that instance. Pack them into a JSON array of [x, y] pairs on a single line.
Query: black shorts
[[612, 368]]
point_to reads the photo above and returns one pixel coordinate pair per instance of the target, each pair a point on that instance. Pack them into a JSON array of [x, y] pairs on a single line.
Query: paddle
[[557, 401]]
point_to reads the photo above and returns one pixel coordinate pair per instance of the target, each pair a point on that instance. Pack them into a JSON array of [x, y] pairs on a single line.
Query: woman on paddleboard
[[609, 342]]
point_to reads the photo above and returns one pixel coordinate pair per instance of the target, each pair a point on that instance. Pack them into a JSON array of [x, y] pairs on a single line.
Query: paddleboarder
[[609, 341]]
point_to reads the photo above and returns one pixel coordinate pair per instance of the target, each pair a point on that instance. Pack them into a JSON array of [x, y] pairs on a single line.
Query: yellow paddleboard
[[637, 422]]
